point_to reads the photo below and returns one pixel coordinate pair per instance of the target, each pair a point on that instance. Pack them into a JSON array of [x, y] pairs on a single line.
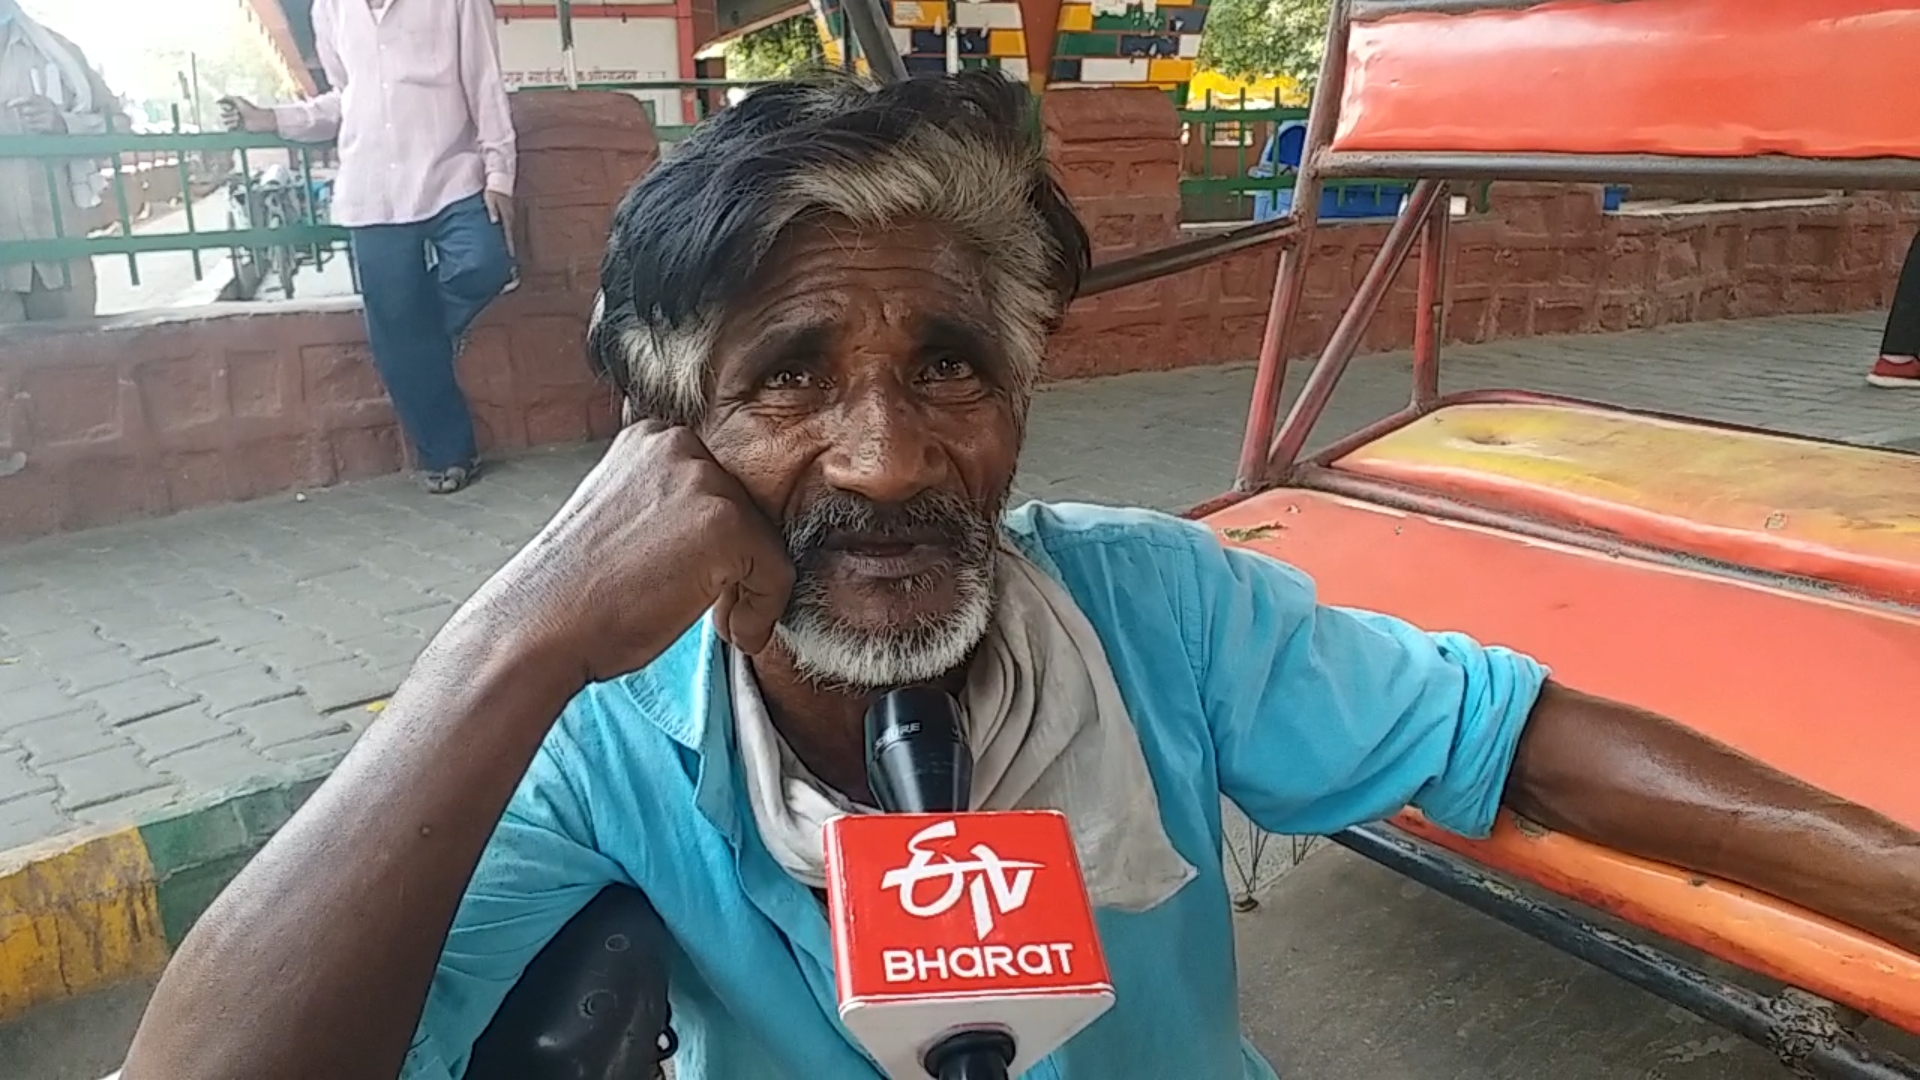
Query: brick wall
[[1544, 260], [149, 414]]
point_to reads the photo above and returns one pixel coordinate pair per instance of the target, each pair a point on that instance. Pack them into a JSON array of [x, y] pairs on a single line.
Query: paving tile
[[136, 699], [102, 777]]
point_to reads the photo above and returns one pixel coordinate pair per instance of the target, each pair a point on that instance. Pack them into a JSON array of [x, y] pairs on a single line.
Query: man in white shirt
[[426, 185]]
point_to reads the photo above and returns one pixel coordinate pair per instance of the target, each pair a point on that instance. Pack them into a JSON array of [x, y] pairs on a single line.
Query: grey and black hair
[[963, 152]]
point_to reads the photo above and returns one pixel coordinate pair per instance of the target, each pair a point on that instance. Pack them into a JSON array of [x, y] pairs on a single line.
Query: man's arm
[[1324, 718], [487, 93], [315, 962], [1639, 783], [316, 119]]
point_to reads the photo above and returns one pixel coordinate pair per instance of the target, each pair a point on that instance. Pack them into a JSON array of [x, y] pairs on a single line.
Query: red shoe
[[1896, 372]]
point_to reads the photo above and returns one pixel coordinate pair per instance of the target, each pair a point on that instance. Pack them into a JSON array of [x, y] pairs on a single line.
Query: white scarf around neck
[[1048, 729]]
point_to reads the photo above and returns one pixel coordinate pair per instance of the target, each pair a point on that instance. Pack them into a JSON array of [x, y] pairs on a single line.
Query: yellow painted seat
[[1845, 515]]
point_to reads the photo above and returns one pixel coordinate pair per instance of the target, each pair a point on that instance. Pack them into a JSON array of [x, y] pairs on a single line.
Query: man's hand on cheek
[[655, 535]]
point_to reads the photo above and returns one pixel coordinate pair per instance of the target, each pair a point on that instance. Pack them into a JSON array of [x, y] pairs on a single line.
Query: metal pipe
[[1162, 262], [1798, 1028], [1430, 301], [1269, 380], [1879, 174], [870, 28], [1346, 336], [1369, 10]]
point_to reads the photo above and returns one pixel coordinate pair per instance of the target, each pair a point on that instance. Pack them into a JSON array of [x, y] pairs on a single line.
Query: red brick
[[256, 384], [196, 478], [359, 453], [180, 394], [72, 405], [339, 375], [111, 489]]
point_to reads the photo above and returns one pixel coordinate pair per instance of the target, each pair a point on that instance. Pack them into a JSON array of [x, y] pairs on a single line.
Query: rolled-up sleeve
[[538, 871], [1324, 717]]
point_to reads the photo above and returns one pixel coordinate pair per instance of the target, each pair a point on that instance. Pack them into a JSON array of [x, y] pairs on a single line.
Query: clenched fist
[[655, 535]]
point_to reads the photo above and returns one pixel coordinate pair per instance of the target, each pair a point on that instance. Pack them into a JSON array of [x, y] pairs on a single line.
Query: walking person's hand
[[239, 114], [500, 211], [38, 115], [655, 535]]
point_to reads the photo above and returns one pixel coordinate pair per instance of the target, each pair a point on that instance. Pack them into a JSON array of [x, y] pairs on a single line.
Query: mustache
[[929, 517]]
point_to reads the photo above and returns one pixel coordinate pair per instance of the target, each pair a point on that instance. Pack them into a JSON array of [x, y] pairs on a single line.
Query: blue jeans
[[416, 314]]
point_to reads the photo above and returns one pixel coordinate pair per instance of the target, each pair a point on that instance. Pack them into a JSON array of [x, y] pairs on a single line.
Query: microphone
[[964, 943]]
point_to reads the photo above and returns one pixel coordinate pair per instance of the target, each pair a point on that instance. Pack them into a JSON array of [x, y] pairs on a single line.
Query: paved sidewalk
[[145, 664]]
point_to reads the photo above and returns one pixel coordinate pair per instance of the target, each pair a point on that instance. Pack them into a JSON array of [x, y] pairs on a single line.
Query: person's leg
[[1899, 362], [13, 307], [473, 264], [406, 328]]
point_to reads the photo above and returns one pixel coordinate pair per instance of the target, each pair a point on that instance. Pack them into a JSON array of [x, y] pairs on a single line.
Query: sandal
[[451, 479]]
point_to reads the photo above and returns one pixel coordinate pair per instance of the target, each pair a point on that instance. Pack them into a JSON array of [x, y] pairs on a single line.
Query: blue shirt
[[1309, 717]]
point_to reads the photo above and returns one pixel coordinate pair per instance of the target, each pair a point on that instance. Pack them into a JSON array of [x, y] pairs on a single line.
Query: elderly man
[[427, 162], [48, 88], [828, 311]]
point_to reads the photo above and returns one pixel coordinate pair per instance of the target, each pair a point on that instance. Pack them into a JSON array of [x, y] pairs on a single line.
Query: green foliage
[[1254, 38], [780, 51]]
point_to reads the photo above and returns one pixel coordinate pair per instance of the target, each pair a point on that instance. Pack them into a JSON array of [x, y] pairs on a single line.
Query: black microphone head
[[918, 760]]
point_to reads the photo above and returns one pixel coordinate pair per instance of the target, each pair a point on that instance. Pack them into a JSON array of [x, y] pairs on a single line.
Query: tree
[[1253, 38], [780, 51]]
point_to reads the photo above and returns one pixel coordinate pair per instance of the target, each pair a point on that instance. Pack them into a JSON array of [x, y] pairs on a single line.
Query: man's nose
[[882, 449]]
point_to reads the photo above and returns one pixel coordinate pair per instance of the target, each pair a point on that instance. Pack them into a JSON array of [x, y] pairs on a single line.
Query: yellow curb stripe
[[77, 920]]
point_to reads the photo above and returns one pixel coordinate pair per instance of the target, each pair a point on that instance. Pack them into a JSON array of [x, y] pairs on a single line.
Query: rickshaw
[[1761, 588]]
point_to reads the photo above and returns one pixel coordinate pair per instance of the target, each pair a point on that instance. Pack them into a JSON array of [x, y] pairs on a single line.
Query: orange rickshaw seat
[[1819, 688]]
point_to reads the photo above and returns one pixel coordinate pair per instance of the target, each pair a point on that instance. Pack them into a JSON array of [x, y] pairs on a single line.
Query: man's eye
[[791, 379], [949, 369]]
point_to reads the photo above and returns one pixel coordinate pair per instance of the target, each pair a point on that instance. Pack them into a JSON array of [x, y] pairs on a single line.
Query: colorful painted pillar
[[1103, 43]]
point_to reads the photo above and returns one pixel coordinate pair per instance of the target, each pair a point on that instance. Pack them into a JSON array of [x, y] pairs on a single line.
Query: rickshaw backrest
[[1818, 79]]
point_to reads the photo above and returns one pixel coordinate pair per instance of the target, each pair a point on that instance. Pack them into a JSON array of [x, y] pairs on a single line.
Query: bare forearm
[[315, 962], [1642, 784]]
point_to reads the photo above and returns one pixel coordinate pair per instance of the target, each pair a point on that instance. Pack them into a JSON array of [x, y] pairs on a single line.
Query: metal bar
[[54, 188], [1174, 258], [1430, 302], [126, 218], [1270, 376], [306, 201], [1370, 10], [186, 196], [1898, 174], [1798, 1028], [1285, 452], [87, 247], [869, 24], [102, 146]]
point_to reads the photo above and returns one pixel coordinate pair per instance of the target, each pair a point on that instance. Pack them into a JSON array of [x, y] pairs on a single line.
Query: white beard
[[828, 653]]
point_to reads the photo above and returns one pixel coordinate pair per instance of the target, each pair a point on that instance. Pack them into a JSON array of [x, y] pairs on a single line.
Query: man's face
[[862, 398]]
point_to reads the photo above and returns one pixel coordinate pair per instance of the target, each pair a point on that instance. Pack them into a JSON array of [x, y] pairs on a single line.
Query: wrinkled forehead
[[832, 279]]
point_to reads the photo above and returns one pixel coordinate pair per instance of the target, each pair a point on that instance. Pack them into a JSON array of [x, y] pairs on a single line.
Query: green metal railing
[[121, 156]]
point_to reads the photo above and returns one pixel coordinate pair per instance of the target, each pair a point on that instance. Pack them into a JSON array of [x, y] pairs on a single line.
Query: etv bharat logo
[[996, 886]]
